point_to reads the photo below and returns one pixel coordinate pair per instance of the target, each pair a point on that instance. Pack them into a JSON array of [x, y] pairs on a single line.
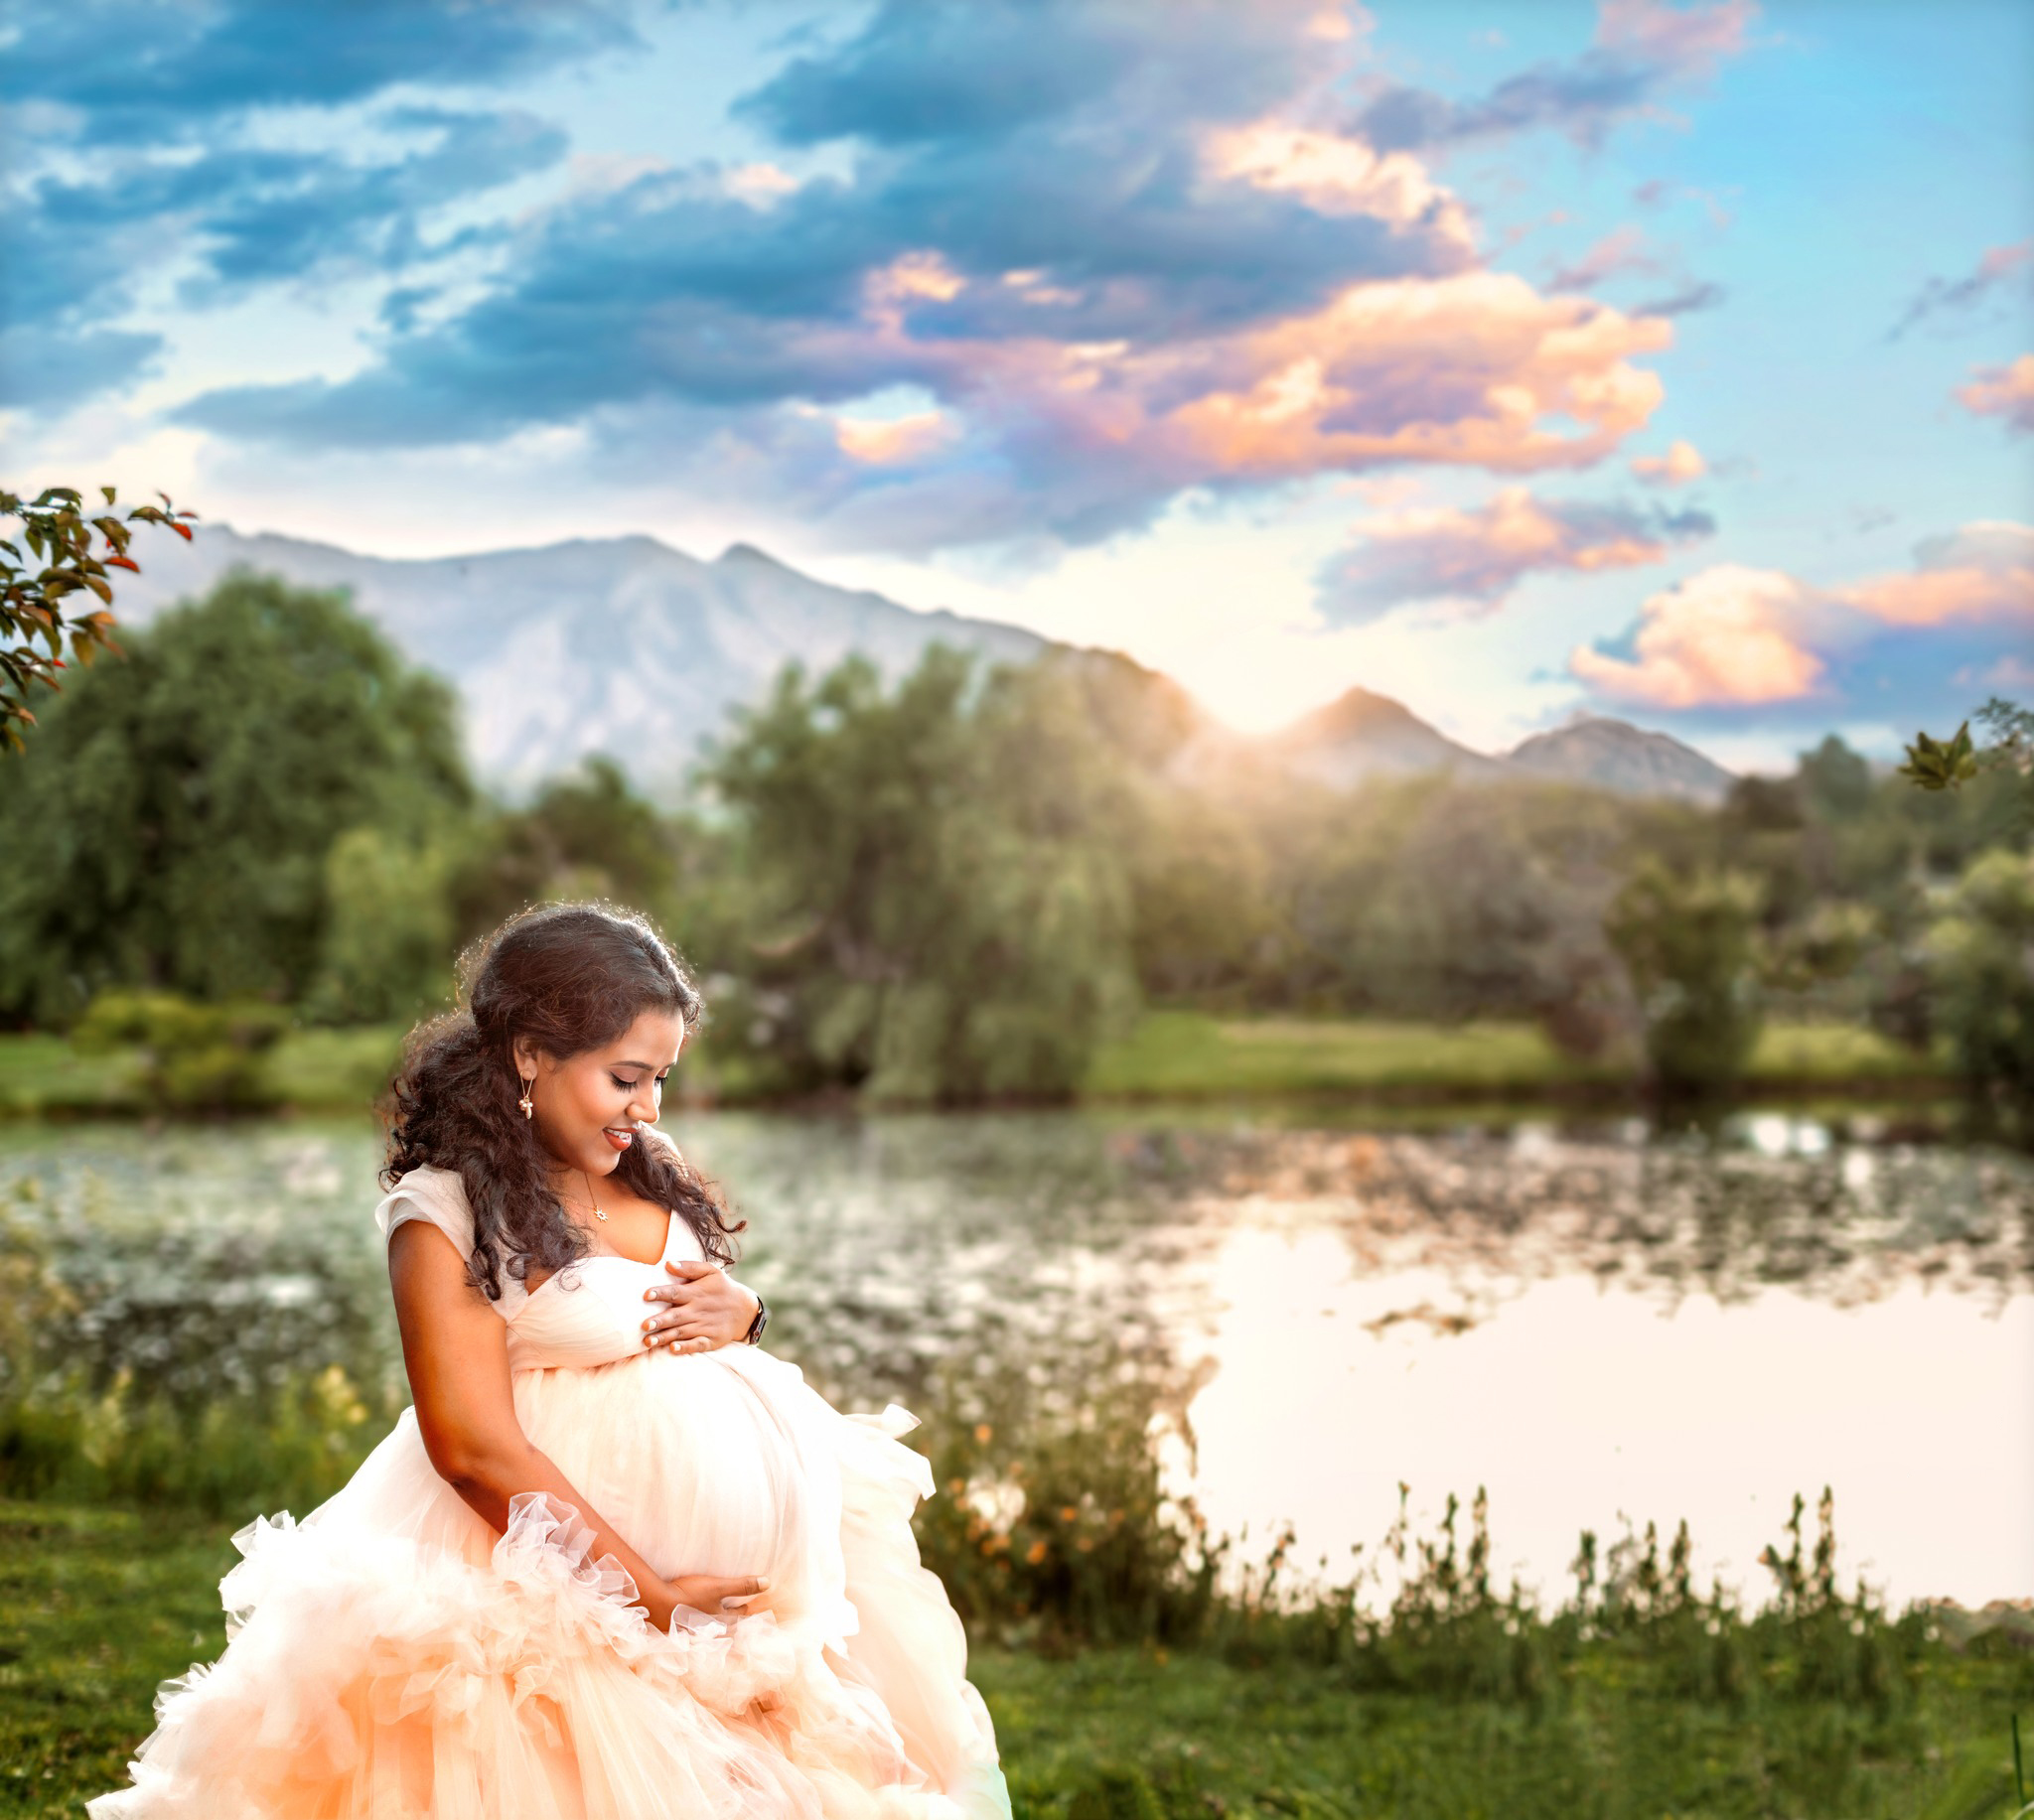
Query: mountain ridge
[[630, 646]]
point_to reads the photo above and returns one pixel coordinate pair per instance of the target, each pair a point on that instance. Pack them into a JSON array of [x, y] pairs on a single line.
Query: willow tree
[[937, 899]]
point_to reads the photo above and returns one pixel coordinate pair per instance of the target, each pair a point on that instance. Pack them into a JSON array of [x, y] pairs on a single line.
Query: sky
[[1519, 361]]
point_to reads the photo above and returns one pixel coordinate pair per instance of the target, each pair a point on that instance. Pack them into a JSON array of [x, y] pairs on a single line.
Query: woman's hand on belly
[[715, 1595], [704, 1308]]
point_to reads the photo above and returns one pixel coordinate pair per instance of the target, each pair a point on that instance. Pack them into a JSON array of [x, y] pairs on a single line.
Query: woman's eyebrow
[[655, 1067]]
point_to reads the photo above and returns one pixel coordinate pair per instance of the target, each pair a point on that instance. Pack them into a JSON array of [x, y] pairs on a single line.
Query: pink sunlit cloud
[[1681, 463], [1739, 636], [2005, 392], [1476, 558]]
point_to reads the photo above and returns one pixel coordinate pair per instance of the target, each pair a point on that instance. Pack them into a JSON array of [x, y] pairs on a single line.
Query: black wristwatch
[[755, 1333]]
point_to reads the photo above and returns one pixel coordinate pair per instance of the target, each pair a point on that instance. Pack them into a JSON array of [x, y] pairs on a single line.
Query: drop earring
[[528, 1108]]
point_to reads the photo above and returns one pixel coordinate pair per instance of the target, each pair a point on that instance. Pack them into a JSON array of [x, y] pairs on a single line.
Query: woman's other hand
[[713, 1594], [704, 1308]]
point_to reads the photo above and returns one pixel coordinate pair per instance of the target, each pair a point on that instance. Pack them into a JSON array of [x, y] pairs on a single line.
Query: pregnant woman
[[614, 1564]]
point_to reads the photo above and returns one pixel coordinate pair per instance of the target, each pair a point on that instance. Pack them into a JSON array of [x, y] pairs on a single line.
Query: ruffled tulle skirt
[[391, 1656]]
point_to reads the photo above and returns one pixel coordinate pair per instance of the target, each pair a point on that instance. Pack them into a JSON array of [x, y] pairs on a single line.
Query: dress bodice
[[590, 1313]]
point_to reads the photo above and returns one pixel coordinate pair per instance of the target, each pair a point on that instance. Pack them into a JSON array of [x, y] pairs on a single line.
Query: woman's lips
[[621, 1140]]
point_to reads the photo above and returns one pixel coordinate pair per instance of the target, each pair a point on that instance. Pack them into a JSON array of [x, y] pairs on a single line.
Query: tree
[[1691, 942], [176, 814], [1978, 954], [35, 587], [938, 902], [586, 834]]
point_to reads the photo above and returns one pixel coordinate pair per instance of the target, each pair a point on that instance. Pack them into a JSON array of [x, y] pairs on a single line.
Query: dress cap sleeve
[[438, 1197], [429, 1193]]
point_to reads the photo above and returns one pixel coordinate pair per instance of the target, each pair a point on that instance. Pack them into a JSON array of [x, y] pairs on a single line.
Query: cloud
[[1726, 635], [235, 217], [917, 76], [1478, 557], [1622, 251], [154, 151], [129, 72], [1104, 293], [1734, 637], [1995, 271], [2002, 391], [1643, 49], [50, 370], [1691, 297], [1681, 463]]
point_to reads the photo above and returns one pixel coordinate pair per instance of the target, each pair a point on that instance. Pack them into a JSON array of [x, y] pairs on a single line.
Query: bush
[[192, 1057]]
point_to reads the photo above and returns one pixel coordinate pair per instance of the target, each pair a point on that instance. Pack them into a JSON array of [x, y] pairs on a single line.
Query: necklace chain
[[599, 1213]]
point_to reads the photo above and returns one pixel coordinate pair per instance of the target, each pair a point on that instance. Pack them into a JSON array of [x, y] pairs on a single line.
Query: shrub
[[191, 1057]]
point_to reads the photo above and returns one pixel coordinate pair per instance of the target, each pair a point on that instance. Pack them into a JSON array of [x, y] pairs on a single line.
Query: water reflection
[[1588, 1319]]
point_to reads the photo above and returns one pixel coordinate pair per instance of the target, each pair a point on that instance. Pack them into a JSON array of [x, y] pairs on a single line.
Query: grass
[[1185, 1054], [1171, 1054], [310, 1071], [97, 1606]]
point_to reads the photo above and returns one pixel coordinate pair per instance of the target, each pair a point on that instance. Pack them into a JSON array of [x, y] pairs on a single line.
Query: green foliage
[[171, 825], [1941, 765], [58, 563], [96, 1607], [1980, 950], [958, 887], [937, 907], [1053, 1525], [191, 1057], [1949, 764], [585, 835], [1691, 942], [390, 931]]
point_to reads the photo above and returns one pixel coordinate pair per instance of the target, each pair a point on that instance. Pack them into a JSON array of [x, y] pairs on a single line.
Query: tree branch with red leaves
[[46, 562]]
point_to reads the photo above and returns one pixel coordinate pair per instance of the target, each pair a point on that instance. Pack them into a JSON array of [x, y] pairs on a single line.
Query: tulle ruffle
[[373, 1677]]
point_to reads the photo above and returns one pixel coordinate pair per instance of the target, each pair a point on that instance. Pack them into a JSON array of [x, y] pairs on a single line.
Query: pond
[[1598, 1324]]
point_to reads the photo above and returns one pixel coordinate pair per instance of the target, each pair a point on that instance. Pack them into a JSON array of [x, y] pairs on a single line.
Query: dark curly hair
[[569, 977]]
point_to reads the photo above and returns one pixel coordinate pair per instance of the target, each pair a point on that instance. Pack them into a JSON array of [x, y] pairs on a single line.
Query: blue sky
[[1667, 361]]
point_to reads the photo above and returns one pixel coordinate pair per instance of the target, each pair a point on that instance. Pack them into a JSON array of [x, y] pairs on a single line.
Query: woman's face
[[589, 1106]]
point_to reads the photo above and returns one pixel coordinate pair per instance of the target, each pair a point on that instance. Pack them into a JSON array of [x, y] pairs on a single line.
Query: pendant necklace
[[590, 1199]]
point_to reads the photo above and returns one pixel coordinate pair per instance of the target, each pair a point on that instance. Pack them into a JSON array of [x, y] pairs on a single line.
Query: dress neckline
[[670, 1236]]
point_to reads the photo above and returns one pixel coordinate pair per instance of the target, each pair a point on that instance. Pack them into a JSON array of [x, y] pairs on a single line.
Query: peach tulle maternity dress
[[392, 1656]]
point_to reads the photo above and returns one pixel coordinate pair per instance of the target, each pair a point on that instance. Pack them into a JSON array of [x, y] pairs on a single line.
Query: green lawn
[[97, 1606], [1171, 1054], [1184, 1055], [312, 1070]]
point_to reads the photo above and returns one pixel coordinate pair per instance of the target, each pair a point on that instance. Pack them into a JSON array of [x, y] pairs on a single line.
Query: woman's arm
[[455, 1348]]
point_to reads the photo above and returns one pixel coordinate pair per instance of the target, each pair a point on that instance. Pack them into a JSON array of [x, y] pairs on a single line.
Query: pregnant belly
[[685, 1458]]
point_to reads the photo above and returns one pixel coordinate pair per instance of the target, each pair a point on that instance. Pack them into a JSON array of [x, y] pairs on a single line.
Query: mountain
[[620, 646], [1360, 735], [1615, 756], [626, 646]]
